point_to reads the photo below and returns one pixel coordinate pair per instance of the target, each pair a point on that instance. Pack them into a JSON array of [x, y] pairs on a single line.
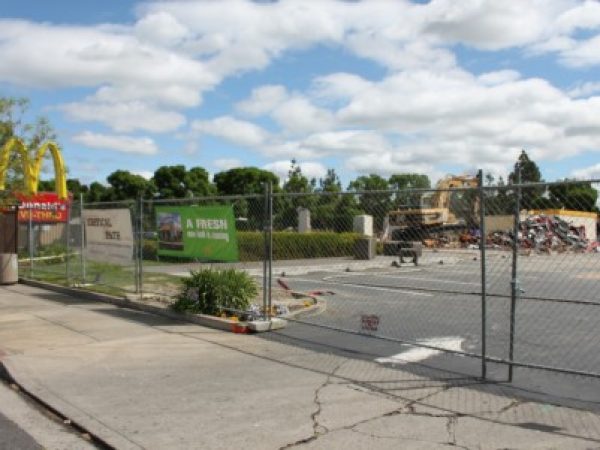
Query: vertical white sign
[[108, 235]]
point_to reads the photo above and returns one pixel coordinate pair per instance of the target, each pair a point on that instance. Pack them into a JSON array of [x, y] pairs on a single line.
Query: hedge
[[286, 245]]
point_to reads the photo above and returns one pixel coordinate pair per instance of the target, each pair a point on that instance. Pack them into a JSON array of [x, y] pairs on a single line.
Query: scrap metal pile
[[544, 234]]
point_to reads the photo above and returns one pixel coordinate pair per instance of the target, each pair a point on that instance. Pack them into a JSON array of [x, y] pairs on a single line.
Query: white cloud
[[588, 173], [119, 143], [161, 28], [125, 116], [263, 100], [585, 89], [310, 169], [227, 163], [237, 131]]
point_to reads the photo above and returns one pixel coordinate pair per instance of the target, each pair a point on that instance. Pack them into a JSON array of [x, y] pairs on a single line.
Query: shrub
[[292, 245], [286, 245], [209, 291]]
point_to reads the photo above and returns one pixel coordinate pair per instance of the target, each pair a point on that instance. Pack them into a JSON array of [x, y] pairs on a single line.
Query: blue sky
[[363, 87]]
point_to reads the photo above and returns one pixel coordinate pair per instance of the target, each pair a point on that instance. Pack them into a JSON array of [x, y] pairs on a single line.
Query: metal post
[[270, 272], [30, 235], [482, 242], [514, 283], [82, 231], [141, 251], [266, 249], [68, 246]]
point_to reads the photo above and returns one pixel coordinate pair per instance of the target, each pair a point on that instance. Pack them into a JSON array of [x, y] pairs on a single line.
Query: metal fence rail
[[502, 274]]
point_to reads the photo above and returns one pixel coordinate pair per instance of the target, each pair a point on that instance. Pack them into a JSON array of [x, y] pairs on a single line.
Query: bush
[[286, 245], [292, 245], [209, 291]]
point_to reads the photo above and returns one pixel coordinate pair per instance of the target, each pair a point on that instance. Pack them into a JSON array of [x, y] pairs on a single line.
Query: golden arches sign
[[31, 169]]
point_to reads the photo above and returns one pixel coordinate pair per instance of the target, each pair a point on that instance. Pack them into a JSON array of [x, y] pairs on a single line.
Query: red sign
[[44, 207]]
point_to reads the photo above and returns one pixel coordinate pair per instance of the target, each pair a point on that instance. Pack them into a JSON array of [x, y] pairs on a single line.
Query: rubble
[[544, 233]]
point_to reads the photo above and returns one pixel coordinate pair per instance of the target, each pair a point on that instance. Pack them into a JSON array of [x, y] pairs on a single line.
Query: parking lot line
[[362, 286]]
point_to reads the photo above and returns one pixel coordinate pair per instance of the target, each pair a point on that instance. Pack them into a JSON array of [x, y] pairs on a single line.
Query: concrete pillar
[[363, 224], [303, 220]]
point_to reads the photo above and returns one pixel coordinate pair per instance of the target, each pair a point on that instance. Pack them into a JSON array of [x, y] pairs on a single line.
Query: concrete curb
[[199, 319], [81, 421]]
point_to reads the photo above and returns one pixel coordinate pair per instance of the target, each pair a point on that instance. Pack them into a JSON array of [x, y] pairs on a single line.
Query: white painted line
[[400, 277], [362, 286], [416, 354]]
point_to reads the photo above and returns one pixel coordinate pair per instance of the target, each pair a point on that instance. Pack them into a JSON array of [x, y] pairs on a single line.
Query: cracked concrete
[[144, 382]]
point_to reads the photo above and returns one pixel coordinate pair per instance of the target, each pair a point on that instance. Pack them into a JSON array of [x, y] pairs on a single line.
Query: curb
[[94, 438], [199, 319]]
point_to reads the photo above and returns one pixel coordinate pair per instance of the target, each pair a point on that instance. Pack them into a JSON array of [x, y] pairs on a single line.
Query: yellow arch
[[31, 169]]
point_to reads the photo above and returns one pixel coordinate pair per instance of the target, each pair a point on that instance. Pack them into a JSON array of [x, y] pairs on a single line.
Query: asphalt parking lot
[[439, 305]]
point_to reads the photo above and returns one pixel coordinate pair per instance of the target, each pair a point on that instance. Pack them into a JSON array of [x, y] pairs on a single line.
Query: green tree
[[574, 196], [286, 207], [404, 182], [128, 186], [98, 193], [245, 181], [177, 182], [532, 197], [13, 123], [74, 187], [376, 204]]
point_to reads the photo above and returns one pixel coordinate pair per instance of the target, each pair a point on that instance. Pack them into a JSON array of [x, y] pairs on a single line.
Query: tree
[[74, 187], [530, 172], [13, 124], [574, 196], [325, 215], [331, 182], [245, 181], [405, 182], [177, 182], [375, 204], [98, 193], [128, 186], [286, 207], [532, 197]]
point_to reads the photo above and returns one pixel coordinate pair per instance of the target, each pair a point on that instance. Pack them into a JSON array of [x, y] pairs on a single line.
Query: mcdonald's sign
[[31, 169]]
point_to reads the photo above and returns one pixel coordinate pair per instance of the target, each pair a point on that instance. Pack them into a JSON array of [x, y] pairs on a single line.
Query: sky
[[434, 87]]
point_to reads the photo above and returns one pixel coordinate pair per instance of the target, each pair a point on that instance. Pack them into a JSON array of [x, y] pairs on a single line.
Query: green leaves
[[209, 291]]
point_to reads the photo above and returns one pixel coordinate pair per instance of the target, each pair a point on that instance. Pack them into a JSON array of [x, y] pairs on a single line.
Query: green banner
[[203, 232]]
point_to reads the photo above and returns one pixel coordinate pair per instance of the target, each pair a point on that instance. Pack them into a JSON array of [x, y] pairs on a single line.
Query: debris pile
[[544, 234]]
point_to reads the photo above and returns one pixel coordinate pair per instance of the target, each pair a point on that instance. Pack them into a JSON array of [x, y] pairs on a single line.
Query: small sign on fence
[[108, 235], [369, 322]]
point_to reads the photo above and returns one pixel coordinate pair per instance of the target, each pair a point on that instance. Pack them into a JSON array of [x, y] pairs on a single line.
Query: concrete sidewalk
[[141, 381]]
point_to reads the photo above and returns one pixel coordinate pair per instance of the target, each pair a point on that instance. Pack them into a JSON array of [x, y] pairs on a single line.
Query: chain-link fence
[[504, 276]]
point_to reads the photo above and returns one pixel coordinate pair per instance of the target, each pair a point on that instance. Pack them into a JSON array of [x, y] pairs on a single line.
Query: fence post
[[141, 248], [266, 247], [31, 239], [482, 242], [68, 246], [82, 232], [514, 282], [270, 271]]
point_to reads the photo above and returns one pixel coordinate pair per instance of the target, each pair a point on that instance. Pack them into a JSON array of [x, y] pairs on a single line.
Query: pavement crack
[[318, 429], [451, 428]]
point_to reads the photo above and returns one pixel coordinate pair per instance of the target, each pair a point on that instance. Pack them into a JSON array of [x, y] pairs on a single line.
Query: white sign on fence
[[109, 235]]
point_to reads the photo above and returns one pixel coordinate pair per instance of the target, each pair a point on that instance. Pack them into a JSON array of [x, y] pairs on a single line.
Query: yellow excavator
[[434, 215]]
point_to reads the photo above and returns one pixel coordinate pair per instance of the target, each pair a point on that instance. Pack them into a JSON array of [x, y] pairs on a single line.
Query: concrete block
[[303, 220], [363, 224], [259, 326]]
